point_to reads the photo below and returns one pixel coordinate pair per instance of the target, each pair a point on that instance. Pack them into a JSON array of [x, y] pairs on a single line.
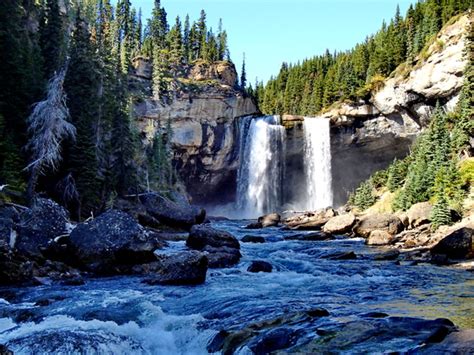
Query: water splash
[[262, 148], [317, 157]]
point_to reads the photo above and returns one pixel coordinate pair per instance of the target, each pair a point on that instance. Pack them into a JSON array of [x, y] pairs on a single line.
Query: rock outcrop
[[204, 117], [367, 135]]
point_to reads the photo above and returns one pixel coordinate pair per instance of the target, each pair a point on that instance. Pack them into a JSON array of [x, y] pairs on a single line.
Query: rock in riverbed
[[185, 268], [222, 247], [379, 221], [260, 266], [340, 224], [112, 240], [457, 245]]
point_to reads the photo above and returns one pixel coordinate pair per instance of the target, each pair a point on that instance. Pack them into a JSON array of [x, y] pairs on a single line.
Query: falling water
[[262, 146], [317, 157]]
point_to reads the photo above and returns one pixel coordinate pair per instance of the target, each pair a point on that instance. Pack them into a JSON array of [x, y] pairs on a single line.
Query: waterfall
[[260, 177], [317, 158]]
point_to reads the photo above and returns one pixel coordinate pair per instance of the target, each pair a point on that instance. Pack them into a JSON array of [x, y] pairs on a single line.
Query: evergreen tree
[[82, 86], [186, 39], [440, 214], [222, 42], [243, 74], [52, 38], [201, 34]]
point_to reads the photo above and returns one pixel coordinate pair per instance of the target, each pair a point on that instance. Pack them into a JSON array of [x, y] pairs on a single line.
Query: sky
[[270, 32]]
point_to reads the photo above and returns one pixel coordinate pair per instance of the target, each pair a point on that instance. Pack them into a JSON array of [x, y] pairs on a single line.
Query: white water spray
[[317, 158], [262, 149]]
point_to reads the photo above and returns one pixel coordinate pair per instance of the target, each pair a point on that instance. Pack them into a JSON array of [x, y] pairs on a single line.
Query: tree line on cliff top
[[307, 87]]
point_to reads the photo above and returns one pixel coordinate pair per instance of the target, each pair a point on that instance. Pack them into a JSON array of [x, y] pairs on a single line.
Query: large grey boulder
[[222, 248], [176, 213], [419, 214], [185, 268], [39, 225], [110, 241], [340, 224], [379, 237], [379, 221], [457, 245], [310, 220]]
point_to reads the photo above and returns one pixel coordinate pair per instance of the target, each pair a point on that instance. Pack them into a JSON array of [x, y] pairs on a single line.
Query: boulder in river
[[185, 268], [457, 342], [176, 212], [378, 221], [260, 266], [112, 240], [268, 220], [340, 224], [4, 350], [253, 239], [310, 220], [222, 248], [457, 245], [389, 334], [39, 225]]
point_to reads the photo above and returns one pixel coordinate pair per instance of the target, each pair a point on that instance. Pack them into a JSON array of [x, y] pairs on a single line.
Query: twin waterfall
[[317, 160], [261, 176]]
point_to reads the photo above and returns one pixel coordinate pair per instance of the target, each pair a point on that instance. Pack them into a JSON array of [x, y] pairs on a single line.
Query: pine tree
[[82, 85], [186, 39], [52, 38], [440, 214], [363, 197], [243, 74], [222, 42], [201, 34]]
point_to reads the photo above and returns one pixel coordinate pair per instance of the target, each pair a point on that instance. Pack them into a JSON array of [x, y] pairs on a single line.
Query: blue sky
[[273, 31]]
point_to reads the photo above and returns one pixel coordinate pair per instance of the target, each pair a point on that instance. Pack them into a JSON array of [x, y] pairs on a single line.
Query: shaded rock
[[221, 247], [456, 343], [378, 237], [39, 225], [265, 336], [388, 255], [4, 350], [217, 343], [252, 239], [111, 240], [9, 217], [260, 266], [340, 255], [177, 213], [254, 225], [185, 268], [222, 257], [340, 224], [419, 214], [276, 339], [14, 268], [316, 236], [379, 221], [375, 315], [385, 334], [310, 220], [201, 236], [457, 245]]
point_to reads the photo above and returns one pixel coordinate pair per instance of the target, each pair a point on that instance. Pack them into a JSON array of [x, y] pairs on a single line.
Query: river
[[121, 315]]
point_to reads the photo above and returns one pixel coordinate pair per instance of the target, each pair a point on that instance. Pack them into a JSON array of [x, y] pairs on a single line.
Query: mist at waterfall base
[[262, 175], [122, 315]]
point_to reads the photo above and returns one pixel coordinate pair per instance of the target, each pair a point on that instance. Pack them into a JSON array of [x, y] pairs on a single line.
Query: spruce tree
[[243, 74], [52, 38], [440, 214], [82, 86]]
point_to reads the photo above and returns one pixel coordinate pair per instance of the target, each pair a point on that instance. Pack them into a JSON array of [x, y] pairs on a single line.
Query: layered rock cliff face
[[366, 136], [204, 119]]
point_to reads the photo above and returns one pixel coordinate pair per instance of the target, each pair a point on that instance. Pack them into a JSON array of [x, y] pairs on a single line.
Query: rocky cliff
[[367, 135], [203, 116]]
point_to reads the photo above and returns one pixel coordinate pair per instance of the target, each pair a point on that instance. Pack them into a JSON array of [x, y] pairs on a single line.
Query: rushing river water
[[121, 315]]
